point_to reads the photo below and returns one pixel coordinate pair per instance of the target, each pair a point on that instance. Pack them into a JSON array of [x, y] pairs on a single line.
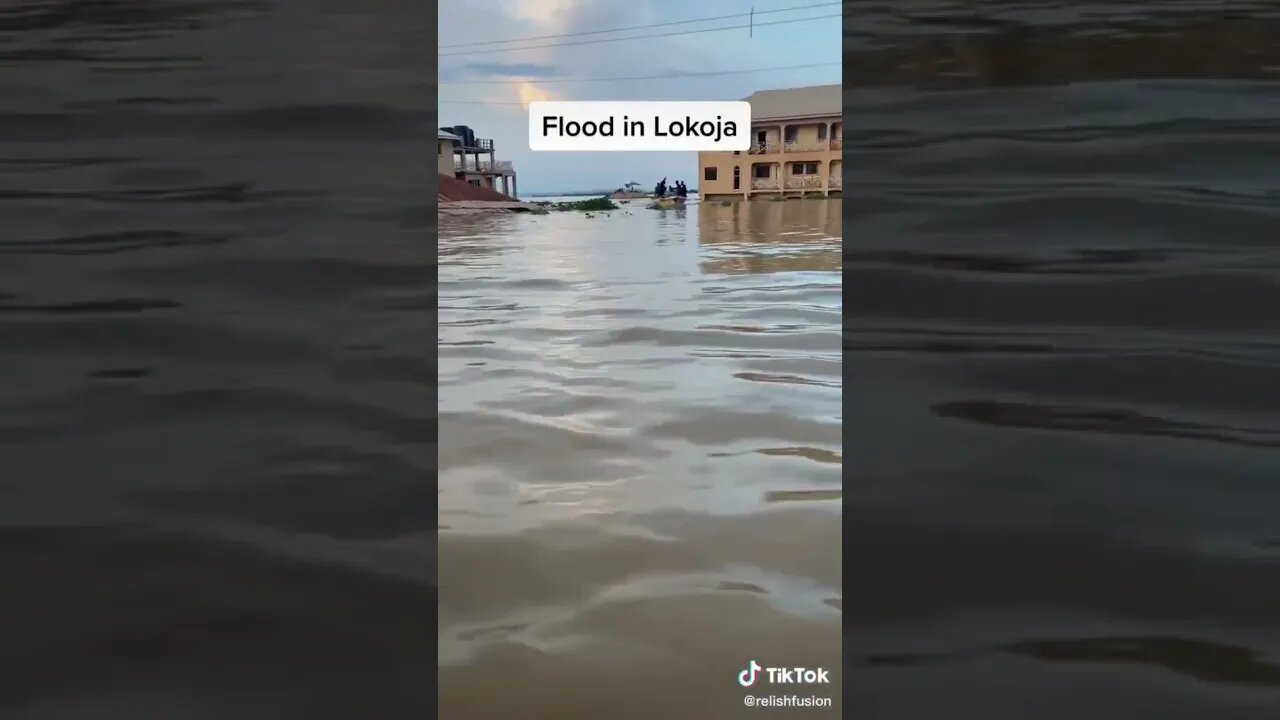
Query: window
[[474, 182], [790, 134], [760, 171], [810, 168], [761, 136], [737, 175], [822, 133], [708, 174]]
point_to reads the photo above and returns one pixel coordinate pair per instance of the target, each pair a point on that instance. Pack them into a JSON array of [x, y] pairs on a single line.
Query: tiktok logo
[[784, 676]]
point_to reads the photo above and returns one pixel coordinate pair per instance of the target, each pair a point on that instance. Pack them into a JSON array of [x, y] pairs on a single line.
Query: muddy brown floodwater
[[1063, 353], [640, 458]]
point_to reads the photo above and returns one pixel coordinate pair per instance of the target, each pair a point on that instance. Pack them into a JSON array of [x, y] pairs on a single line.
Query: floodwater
[[1062, 280], [640, 458], [217, 413]]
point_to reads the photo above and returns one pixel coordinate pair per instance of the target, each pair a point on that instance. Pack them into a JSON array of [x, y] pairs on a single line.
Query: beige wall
[[806, 134], [444, 156], [723, 163]]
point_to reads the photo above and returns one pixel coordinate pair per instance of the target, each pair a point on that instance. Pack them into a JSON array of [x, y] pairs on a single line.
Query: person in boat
[[661, 189], [681, 190]]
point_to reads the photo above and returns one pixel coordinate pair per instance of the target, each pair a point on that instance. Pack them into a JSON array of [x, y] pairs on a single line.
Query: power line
[[635, 27], [638, 37], [638, 77], [475, 102]]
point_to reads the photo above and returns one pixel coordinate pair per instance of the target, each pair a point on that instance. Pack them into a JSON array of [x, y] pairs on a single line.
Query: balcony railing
[[835, 181], [768, 148], [768, 183], [837, 143], [501, 166], [808, 146], [804, 182]]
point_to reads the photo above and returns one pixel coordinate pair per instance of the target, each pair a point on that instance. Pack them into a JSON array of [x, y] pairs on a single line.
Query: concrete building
[[445, 143], [796, 148], [461, 155]]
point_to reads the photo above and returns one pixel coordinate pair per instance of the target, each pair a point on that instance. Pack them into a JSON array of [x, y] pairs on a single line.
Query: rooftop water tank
[[467, 134]]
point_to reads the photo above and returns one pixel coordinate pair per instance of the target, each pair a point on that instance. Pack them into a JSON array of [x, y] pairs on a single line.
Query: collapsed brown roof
[[455, 189]]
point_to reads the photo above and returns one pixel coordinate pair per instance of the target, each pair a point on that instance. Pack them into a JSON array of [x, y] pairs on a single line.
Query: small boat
[[666, 202], [632, 191]]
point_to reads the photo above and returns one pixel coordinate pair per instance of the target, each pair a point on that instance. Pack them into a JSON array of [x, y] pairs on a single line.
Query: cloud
[[544, 13], [498, 69], [531, 93]]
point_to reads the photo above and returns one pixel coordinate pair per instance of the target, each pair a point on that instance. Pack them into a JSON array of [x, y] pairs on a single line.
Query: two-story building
[[795, 149], [460, 154]]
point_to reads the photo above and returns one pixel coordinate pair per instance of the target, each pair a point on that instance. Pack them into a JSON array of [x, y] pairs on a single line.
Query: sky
[[486, 90]]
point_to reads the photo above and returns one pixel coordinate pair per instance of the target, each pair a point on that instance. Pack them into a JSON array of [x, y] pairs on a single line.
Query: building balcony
[[764, 183], [804, 182], [835, 181], [837, 143], [763, 148], [501, 167]]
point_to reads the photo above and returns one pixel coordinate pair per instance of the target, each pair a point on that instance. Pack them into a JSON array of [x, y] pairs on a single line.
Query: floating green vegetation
[[600, 203]]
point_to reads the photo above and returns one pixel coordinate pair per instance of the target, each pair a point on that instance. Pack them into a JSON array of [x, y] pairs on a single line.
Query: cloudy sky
[[485, 89]]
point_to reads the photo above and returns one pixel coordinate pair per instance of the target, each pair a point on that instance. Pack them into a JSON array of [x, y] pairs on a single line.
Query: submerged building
[[462, 155], [795, 149]]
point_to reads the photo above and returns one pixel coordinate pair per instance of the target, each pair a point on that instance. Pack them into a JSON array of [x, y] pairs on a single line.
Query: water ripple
[[1065, 355]]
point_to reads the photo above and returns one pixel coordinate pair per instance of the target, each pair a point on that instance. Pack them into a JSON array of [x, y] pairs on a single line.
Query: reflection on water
[[640, 457], [1062, 288], [962, 43], [769, 237]]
